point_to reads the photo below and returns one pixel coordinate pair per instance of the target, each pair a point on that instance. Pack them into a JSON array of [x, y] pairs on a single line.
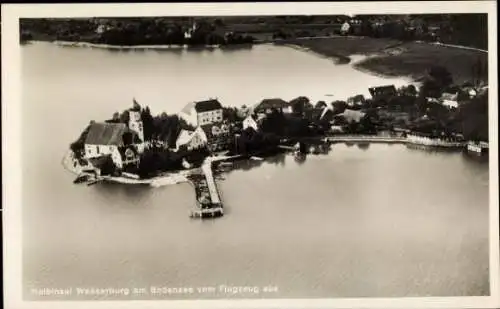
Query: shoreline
[[83, 44], [337, 58], [257, 42], [182, 176]]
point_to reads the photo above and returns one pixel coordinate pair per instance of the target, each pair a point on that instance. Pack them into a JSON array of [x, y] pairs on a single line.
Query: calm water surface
[[380, 221]]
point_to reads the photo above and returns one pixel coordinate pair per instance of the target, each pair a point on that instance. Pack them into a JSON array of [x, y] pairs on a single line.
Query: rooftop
[[382, 90], [202, 106], [271, 103], [106, 134]]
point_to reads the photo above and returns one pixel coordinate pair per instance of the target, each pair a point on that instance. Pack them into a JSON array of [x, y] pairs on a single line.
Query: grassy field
[[395, 58]]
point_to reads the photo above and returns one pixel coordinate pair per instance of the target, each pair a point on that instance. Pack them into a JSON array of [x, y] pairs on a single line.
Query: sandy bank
[[159, 181]]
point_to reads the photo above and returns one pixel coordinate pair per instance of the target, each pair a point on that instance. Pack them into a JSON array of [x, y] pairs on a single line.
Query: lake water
[[382, 221]]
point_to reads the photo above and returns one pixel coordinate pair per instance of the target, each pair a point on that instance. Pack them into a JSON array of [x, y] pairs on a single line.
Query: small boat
[[81, 178], [93, 182], [186, 164], [298, 153], [314, 149], [299, 156]]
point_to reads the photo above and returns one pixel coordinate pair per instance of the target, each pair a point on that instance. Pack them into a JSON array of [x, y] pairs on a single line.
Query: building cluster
[[212, 130], [123, 143], [118, 142], [453, 97]]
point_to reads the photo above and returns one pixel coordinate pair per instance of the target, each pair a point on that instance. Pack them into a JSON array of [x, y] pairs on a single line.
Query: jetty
[[365, 139], [209, 202]]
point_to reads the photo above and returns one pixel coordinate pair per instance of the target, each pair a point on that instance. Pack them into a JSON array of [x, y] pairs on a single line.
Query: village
[[135, 146]]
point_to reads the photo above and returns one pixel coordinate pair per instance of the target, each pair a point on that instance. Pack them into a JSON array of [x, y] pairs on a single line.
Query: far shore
[[137, 47]]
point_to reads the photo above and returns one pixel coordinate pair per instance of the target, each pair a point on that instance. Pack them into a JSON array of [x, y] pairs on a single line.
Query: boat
[[82, 178], [300, 147], [256, 158], [93, 182], [299, 156]]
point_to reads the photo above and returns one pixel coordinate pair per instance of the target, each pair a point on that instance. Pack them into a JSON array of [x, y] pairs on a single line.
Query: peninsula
[[136, 147]]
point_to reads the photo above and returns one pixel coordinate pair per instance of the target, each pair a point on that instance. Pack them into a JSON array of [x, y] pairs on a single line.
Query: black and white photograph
[[251, 152]]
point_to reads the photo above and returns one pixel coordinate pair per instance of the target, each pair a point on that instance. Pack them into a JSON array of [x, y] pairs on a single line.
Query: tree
[[148, 123], [440, 76], [479, 72], [218, 22], [409, 90], [430, 89], [300, 105], [124, 117], [320, 105], [339, 106], [230, 113], [108, 167]]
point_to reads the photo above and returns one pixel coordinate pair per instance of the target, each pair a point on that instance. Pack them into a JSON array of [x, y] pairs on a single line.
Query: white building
[[191, 139], [449, 100], [336, 129], [450, 103], [344, 29], [202, 113], [356, 100], [105, 139], [353, 115], [251, 122]]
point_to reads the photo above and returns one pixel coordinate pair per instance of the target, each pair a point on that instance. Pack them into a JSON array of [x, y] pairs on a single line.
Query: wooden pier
[[366, 139], [211, 207]]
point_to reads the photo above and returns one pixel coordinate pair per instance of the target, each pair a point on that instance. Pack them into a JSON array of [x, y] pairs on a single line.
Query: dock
[[209, 178], [209, 200], [366, 139]]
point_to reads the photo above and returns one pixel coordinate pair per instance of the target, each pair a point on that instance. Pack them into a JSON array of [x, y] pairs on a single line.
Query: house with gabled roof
[[107, 139], [253, 121], [191, 140], [202, 112], [383, 92], [267, 106], [356, 100]]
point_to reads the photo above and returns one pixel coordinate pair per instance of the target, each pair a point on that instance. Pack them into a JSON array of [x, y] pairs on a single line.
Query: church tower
[[135, 124]]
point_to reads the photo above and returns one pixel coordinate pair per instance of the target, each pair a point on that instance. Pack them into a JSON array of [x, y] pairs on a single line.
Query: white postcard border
[[11, 135]]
